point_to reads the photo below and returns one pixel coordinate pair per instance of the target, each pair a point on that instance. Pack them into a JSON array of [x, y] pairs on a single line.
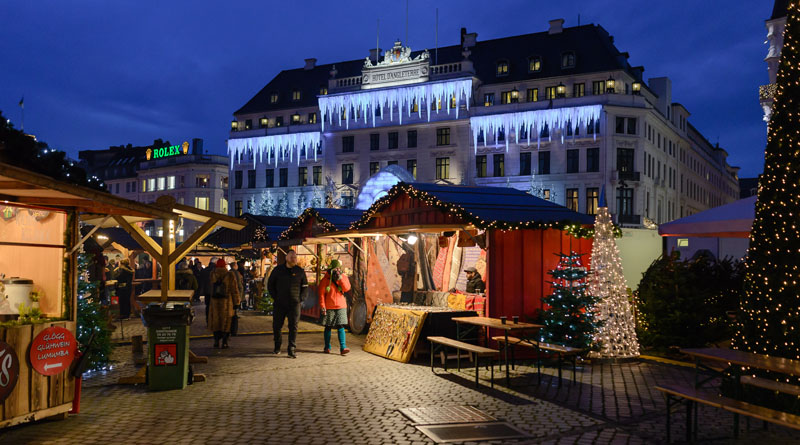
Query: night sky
[[100, 73]]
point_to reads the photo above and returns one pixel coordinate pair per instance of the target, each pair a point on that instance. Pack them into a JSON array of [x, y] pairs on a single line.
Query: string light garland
[[301, 220], [569, 319], [572, 228], [616, 337]]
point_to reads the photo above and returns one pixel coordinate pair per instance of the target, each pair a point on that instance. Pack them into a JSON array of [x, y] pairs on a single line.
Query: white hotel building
[[560, 113]]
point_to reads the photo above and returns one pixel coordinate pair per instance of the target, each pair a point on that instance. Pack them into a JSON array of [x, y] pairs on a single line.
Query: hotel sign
[[166, 152], [396, 68]]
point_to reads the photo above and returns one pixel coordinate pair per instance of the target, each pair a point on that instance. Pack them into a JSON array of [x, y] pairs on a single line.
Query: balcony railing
[[629, 219], [767, 92], [446, 68], [347, 82], [627, 176]]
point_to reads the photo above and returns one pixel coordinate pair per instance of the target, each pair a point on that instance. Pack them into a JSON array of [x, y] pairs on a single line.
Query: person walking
[[197, 270], [237, 272], [224, 297], [205, 282], [184, 278], [124, 276], [287, 286], [333, 305]]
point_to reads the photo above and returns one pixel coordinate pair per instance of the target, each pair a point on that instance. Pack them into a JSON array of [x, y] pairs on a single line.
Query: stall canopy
[[732, 220], [314, 222], [261, 231]]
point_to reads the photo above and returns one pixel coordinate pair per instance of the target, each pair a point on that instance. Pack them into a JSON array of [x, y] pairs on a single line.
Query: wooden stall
[[39, 241]]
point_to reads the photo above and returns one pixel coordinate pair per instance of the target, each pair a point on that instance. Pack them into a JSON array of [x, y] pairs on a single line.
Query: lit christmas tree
[[569, 319], [770, 307], [616, 336], [91, 318]]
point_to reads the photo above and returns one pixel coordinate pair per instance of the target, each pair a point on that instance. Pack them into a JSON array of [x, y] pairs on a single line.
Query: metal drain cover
[[472, 432], [446, 415]]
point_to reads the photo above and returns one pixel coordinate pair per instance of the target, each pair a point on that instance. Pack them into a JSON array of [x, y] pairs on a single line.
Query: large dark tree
[[770, 307], [23, 150]]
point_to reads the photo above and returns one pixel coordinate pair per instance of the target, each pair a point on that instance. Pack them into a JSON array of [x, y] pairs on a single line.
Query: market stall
[[39, 241]]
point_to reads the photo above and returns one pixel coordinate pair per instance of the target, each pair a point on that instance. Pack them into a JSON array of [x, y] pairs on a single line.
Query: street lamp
[[234, 125], [515, 95], [611, 85], [637, 87], [561, 90], [264, 122]]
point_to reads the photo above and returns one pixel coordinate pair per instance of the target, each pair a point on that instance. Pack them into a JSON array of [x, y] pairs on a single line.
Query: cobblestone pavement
[[252, 396], [250, 322]]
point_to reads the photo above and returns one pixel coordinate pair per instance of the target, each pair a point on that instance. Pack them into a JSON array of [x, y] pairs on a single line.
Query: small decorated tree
[[92, 318], [569, 319], [616, 333]]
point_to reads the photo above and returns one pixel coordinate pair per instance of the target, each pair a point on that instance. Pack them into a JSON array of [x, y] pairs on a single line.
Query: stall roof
[[259, 228], [482, 207], [327, 220], [732, 220]]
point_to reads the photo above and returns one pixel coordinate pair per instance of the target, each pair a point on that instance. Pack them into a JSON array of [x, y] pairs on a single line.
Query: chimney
[[372, 54], [310, 64], [662, 87], [556, 26], [197, 146]]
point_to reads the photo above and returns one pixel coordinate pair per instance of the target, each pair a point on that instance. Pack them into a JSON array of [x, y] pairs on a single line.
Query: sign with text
[[53, 350], [9, 370], [166, 152]]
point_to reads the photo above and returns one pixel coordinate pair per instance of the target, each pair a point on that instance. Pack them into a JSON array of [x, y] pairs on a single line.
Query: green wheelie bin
[[167, 346]]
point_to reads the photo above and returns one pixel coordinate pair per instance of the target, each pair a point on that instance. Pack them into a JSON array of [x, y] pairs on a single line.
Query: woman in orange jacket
[[333, 305]]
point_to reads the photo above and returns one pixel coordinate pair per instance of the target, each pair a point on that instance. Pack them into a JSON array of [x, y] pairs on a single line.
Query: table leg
[[432, 343], [688, 420], [477, 368], [505, 350]]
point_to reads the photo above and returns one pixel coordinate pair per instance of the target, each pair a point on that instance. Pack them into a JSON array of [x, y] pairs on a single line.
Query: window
[[323, 90], [442, 168], [270, 178], [502, 68], [620, 128], [392, 162], [279, 121], [505, 97], [480, 166], [237, 208], [625, 202], [312, 118], [393, 140], [347, 173], [573, 160], [598, 87], [568, 59], [263, 122], [251, 179], [544, 163], [630, 128], [151, 184], [162, 184], [593, 159], [374, 141], [411, 167], [632, 125], [545, 133], [533, 95], [625, 159], [578, 90], [144, 185], [572, 199], [248, 124], [534, 64], [550, 93], [302, 176], [117, 188], [202, 181], [525, 163], [295, 119], [283, 178], [273, 98], [317, 173], [412, 138], [442, 136], [593, 127], [498, 164], [295, 95], [133, 186], [127, 187], [223, 206], [374, 167], [592, 200], [348, 144], [488, 99], [546, 194], [201, 202]]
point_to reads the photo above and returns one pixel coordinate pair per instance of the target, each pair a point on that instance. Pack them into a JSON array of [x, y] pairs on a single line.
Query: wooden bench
[[694, 396], [479, 352], [561, 350]]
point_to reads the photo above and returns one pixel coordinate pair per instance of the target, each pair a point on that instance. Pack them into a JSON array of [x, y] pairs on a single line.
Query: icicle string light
[[274, 146], [530, 121], [365, 102]]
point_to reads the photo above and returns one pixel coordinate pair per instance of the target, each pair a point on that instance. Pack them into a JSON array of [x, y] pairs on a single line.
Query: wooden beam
[[196, 214], [147, 243], [192, 241], [167, 247], [16, 185]]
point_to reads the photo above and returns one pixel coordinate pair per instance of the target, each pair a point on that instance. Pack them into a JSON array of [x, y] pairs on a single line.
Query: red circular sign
[[52, 350], [9, 370]]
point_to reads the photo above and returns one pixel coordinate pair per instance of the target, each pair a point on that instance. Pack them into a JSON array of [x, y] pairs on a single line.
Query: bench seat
[[479, 352]]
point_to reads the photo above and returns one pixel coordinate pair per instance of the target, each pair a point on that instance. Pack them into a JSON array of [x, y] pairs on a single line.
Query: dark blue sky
[[99, 73]]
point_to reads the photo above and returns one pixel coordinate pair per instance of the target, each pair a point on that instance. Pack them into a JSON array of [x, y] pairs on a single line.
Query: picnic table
[[154, 296]]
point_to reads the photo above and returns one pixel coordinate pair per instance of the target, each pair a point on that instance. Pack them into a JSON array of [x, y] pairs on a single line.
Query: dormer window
[[568, 60], [534, 64], [323, 90], [295, 95], [273, 98], [502, 68]]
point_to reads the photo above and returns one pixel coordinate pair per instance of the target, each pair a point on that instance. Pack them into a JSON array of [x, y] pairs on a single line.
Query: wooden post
[[167, 246], [72, 264]]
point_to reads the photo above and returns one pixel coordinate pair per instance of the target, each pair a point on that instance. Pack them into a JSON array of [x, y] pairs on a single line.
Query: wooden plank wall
[[407, 211], [33, 391]]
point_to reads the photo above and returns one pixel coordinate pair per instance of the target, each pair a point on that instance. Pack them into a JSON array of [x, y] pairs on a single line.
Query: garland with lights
[[616, 337], [307, 213], [570, 227], [569, 319], [769, 310]]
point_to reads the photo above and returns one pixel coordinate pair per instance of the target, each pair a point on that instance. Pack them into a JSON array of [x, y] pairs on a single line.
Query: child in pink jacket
[[333, 305]]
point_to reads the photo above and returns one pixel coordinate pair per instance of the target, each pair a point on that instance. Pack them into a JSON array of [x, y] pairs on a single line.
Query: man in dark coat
[[287, 286], [124, 288], [205, 283], [475, 284]]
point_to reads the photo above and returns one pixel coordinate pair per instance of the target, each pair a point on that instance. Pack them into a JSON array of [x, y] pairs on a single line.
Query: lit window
[[568, 59], [442, 136], [223, 206], [273, 98], [144, 185], [488, 99], [312, 118], [201, 202], [533, 95], [295, 95], [170, 182], [534, 64], [579, 90], [201, 181], [442, 168], [550, 93], [161, 183], [151, 185], [502, 68], [323, 90]]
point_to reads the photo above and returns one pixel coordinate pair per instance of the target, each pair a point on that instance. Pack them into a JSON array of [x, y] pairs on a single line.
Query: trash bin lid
[[17, 280]]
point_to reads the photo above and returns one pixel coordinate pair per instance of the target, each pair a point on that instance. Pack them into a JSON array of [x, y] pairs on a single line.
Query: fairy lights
[[303, 218]]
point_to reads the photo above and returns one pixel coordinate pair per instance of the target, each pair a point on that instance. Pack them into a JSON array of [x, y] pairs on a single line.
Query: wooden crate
[[35, 396]]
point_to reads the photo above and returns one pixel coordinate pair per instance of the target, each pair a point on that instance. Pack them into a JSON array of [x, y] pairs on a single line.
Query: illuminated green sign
[[165, 152]]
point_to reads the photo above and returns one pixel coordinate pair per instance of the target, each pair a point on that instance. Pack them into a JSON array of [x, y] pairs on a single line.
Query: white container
[[18, 290]]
